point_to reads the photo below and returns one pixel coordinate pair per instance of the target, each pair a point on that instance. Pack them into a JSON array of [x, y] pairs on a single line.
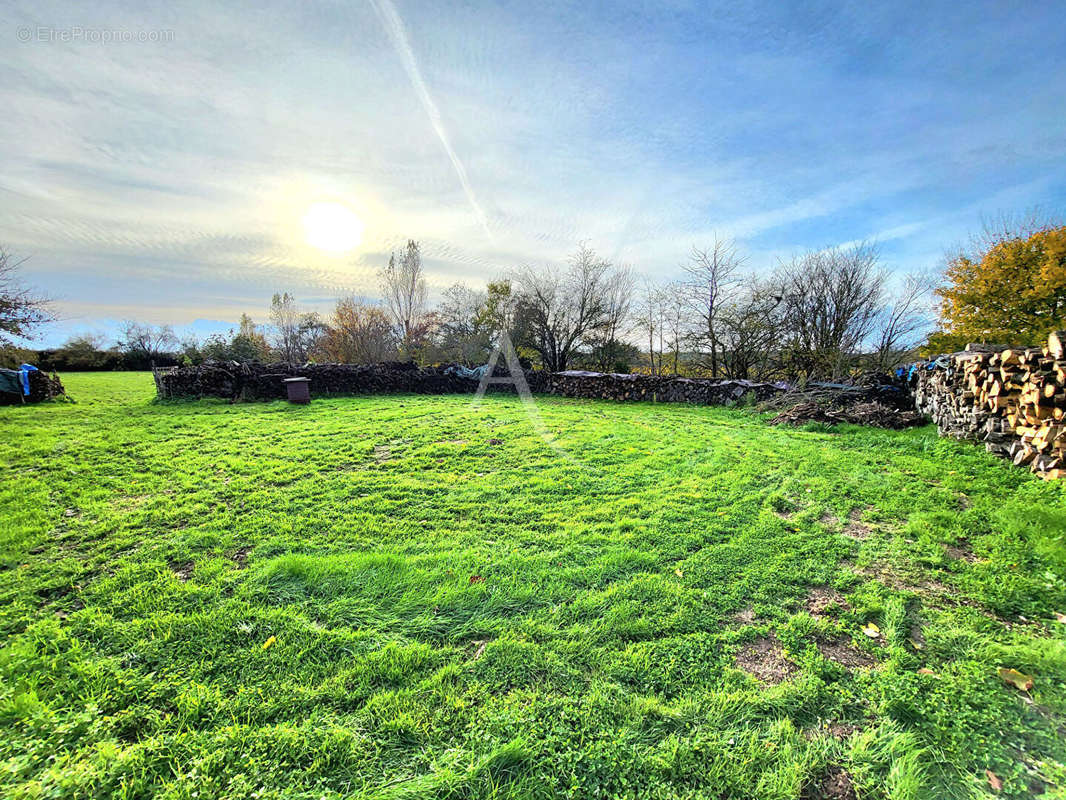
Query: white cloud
[[171, 177]]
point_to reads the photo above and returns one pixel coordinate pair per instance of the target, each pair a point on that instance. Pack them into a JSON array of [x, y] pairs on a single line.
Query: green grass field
[[408, 596]]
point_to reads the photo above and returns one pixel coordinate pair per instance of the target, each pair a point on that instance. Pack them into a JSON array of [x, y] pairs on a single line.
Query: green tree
[[1013, 292], [247, 343], [83, 352]]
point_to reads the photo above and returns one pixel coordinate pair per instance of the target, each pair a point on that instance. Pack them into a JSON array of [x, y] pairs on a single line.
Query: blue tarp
[[477, 373], [24, 374], [940, 362], [15, 381]]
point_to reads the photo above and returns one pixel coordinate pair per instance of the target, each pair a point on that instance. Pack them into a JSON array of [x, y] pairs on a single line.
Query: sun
[[332, 227]]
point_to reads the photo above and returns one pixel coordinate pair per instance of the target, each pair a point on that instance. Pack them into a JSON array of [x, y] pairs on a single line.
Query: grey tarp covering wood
[[10, 381]]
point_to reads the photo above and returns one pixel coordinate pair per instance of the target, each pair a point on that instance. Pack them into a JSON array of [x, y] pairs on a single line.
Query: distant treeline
[[80, 359], [824, 314]]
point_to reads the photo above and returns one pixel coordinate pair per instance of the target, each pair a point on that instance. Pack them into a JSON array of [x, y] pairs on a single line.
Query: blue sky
[[166, 180]]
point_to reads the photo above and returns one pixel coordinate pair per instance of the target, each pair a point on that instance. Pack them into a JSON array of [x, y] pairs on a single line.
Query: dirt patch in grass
[[856, 528], [382, 453], [838, 730], [51, 594], [240, 557], [841, 651], [890, 577], [835, 784], [822, 599], [182, 569], [828, 518], [843, 730], [745, 616], [961, 551], [764, 659]]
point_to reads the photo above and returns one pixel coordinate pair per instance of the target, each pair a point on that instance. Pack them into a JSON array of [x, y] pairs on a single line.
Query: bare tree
[[1005, 226], [146, 343], [358, 333], [712, 277], [902, 322], [676, 306], [295, 332], [832, 299], [561, 311], [462, 336], [285, 318], [404, 287], [751, 325], [21, 311], [308, 335], [607, 342], [650, 319]]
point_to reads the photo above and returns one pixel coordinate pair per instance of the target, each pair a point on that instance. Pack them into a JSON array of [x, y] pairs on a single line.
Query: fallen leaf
[[916, 644], [269, 642], [480, 648], [1060, 617], [871, 630], [1015, 678], [679, 573], [993, 781], [927, 671], [476, 579]]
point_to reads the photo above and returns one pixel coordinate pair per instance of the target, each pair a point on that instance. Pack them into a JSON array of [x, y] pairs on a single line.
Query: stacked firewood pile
[[874, 414], [884, 392], [870, 399], [1013, 400], [609, 386], [42, 387], [256, 381]]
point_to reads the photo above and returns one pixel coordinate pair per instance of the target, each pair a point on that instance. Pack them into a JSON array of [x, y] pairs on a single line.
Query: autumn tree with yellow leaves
[[1013, 292]]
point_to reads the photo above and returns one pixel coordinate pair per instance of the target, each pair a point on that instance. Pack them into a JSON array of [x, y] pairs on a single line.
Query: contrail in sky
[[396, 31]]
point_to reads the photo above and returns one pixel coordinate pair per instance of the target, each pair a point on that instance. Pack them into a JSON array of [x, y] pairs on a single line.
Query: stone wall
[[609, 386], [255, 381]]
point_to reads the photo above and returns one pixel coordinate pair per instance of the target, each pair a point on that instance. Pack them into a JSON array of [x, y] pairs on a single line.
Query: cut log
[[1056, 344]]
